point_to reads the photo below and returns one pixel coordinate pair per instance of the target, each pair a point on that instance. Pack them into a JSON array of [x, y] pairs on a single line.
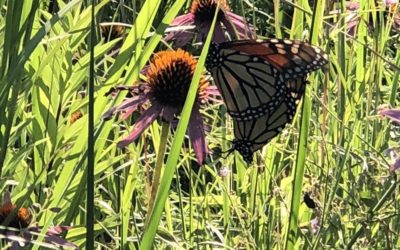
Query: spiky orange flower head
[[204, 10], [169, 76], [22, 219]]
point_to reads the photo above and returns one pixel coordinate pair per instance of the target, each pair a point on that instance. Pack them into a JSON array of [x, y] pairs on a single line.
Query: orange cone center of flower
[[20, 220], [204, 10], [169, 77]]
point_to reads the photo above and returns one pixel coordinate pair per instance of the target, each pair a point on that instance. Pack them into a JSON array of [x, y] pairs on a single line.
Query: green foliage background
[[340, 161]]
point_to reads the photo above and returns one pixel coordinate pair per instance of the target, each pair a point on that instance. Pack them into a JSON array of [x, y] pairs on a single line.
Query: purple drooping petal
[[129, 106], [235, 17], [235, 22], [144, 121], [57, 240], [212, 90], [184, 38], [219, 35], [181, 37], [197, 135], [394, 156], [212, 94], [396, 22], [186, 19], [115, 90], [126, 112], [352, 5], [17, 242], [392, 114], [232, 31], [390, 2], [6, 198], [204, 29], [56, 230], [395, 165], [168, 114], [52, 236]]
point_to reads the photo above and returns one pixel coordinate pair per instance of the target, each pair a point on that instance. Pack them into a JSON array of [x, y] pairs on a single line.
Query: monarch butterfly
[[251, 74], [261, 83]]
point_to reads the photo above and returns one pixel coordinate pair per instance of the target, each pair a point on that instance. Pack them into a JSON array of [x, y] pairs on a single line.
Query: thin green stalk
[[158, 167], [181, 210], [91, 139], [342, 62], [278, 26], [227, 183]]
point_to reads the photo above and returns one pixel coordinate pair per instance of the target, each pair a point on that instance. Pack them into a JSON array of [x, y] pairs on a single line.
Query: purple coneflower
[[20, 232], [200, 18], [168, 80]]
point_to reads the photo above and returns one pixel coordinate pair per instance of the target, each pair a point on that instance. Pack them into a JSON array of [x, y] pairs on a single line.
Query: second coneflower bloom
[[20, 232], [168, 80], [198, 21]]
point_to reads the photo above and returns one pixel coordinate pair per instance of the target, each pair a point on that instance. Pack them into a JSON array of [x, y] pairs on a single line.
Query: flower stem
[[158, 167]]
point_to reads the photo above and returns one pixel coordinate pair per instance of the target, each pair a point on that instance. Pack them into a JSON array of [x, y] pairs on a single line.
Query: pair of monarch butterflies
[[261, 83]]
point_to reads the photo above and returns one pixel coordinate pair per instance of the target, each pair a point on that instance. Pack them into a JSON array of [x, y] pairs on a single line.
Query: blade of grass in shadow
[[291, 235], [12, 41], [91, 141], [149, 234]]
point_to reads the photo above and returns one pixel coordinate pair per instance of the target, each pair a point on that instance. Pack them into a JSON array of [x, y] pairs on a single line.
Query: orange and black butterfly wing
[[251, 136], [250, 86], [293, 58], [250, 74]]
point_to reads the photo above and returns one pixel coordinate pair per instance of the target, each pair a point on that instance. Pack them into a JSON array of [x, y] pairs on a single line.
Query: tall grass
[[334, 150]]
